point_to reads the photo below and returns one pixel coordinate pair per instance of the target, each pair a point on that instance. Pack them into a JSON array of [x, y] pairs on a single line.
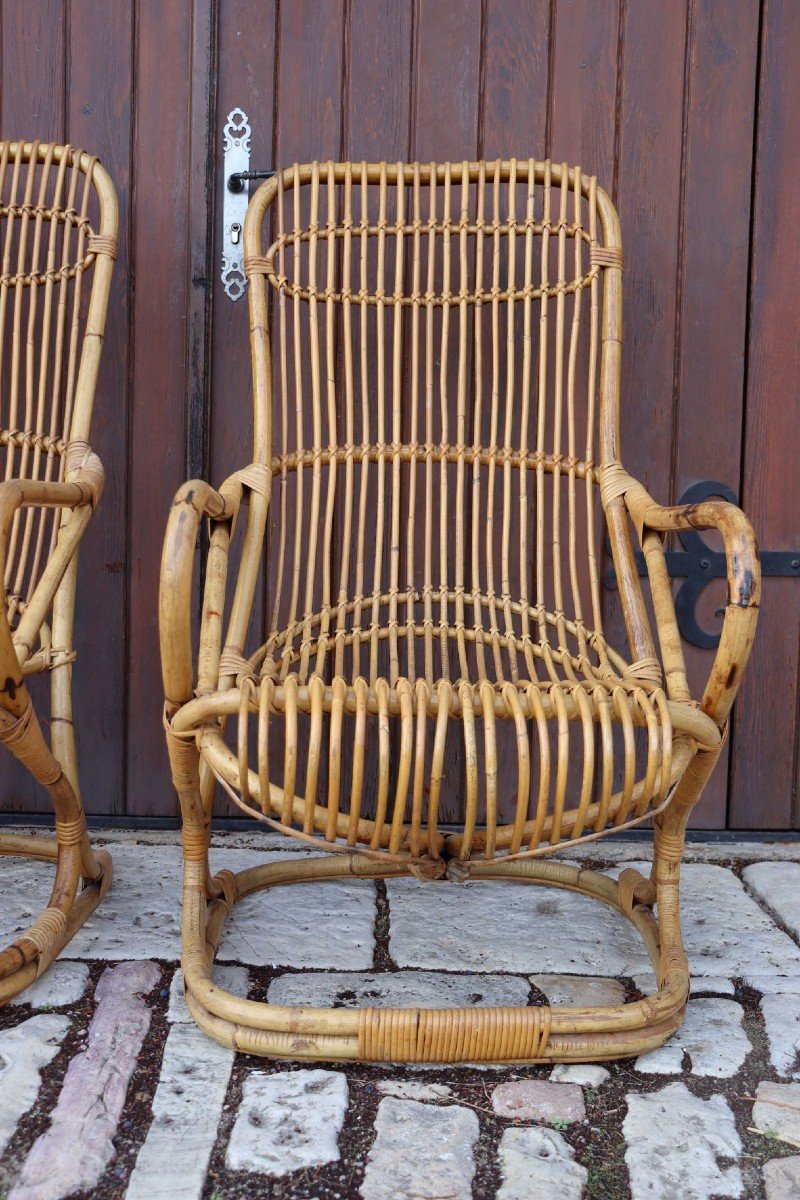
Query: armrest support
[[194, 501], [744, 584], [81, 494]]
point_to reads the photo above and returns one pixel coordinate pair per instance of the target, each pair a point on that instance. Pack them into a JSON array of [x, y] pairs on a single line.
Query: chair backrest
[[58, 229], [436, 357]]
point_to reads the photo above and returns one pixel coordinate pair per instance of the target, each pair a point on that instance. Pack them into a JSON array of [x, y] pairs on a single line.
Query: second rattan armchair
[[436, 367]]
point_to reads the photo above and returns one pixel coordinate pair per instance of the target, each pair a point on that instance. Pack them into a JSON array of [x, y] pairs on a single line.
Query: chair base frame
[[26, 958], [539, 1034]]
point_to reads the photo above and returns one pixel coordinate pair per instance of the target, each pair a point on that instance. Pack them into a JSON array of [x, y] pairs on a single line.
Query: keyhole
[[236, 230]]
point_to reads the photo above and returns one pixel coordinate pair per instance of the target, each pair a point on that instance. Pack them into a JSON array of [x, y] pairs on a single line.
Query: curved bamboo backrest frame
[[584, 213], [59, 225]]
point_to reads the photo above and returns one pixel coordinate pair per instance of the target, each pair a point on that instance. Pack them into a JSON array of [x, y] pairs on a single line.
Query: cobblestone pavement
[[107, 1088]]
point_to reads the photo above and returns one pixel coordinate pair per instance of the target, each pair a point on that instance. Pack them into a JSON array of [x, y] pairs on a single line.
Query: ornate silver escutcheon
[[236, 147]]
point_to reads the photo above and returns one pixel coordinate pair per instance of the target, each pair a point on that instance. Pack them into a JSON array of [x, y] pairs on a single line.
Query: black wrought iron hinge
[[697, 564]]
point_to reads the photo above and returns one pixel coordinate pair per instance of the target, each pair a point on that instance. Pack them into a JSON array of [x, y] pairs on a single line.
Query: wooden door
[[688, 111]]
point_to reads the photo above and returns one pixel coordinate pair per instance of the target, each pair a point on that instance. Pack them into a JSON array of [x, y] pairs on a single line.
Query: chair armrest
[[194, 501], [744, 584], [81, 493]]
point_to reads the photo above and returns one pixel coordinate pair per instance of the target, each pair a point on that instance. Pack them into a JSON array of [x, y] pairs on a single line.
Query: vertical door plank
[[583, 86], [33, 72], [446, 77], [763, 777], [309, 112], [99, 120], [246, 80], [515, 91], [513, 123], [445, 127], [376, 129], [723, 52], [157, 439], [648, 193], [378, 96], [308, 128]]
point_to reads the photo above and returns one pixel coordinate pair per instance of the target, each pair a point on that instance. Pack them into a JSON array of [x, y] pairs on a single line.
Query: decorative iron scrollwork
[[697, 564]]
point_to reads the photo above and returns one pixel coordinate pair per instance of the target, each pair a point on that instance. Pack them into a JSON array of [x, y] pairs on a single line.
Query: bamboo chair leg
[[81, 876]]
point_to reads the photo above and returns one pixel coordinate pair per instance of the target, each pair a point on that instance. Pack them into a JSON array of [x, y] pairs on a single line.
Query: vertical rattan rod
[[511, 403], [461, 419], [331, 398], [380, 508], [397, 431], [349, 413], [478, 369]]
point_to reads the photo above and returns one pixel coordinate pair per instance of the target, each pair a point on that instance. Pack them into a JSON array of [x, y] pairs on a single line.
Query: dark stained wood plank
[[515, 79], [308, 128], [376, 128], [581, 132], [723, 52], [377, 100], [446, 76], [33, 71], [246, 79], [99, 119], [647, 183], [513, 123], [309, 111], [763, 778], [445, 126], [204, 173], [159, 249], [583, 86]]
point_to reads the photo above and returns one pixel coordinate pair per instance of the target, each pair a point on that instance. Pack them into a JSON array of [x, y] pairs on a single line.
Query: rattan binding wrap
[[58, 231], [436, 357]]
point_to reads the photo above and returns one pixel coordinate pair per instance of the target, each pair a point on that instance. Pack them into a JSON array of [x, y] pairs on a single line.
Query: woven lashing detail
[[605, 256], [25, 741], [32, 439], [256, 264], [672, 959], [453, 1035], [183, 757], [669, 845], [256, 477], [231, 662], [80, 457], [635, 889], [47, 933], [71, 833], [643, 668], [98, 243], [194, 842]]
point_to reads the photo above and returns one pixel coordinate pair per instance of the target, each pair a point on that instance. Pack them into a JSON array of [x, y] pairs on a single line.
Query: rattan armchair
[[58, 228], [436, 366]]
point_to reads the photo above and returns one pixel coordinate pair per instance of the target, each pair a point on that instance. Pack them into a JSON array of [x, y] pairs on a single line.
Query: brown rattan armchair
[[436, 365], [58, 227]]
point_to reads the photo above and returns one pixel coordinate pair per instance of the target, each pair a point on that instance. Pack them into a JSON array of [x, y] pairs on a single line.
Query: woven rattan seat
[[58, 228], [436, 467]]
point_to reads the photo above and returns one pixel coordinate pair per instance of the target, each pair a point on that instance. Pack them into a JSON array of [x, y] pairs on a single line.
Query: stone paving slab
[[714, 1114], [394, 989], [140, 917], [536, 929]]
